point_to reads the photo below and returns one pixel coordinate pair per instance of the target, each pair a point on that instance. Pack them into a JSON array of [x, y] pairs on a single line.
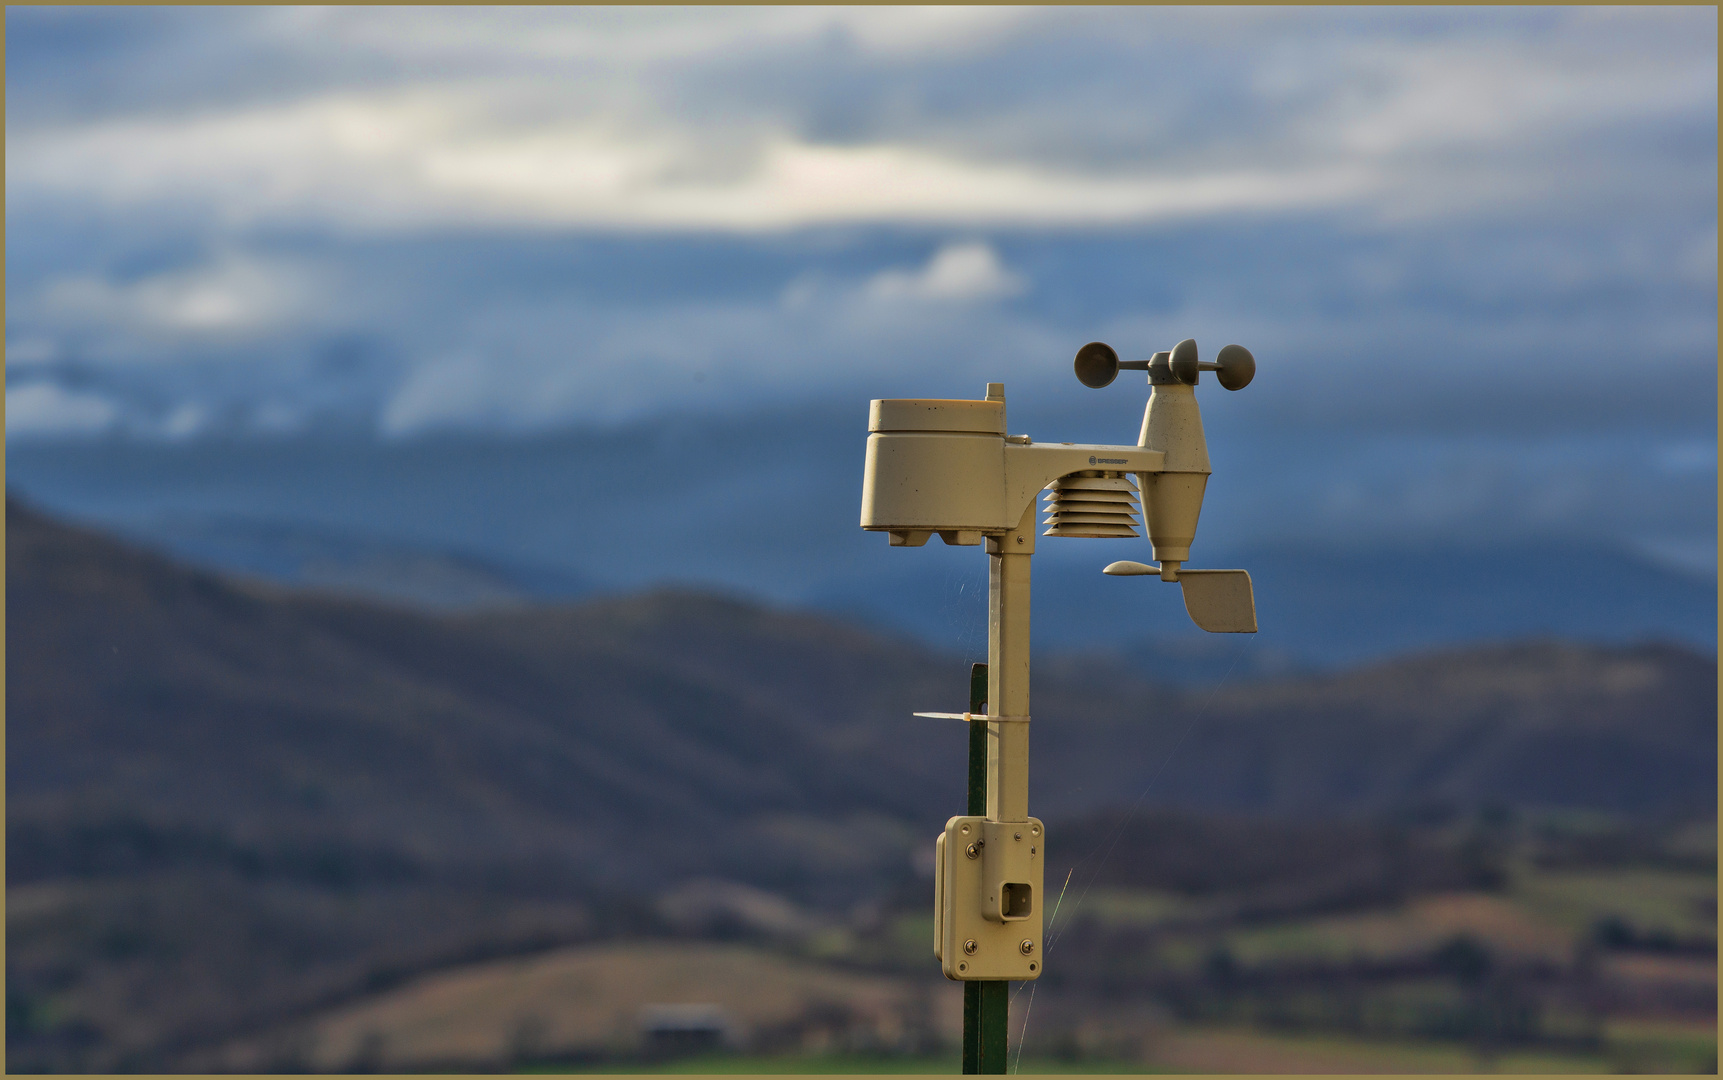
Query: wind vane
[[947, 466]]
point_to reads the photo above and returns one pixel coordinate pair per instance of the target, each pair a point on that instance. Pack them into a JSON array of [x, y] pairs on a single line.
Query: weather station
[[948, 467]]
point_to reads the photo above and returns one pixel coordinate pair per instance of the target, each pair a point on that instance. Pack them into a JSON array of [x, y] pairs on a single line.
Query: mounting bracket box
[[988, 898]]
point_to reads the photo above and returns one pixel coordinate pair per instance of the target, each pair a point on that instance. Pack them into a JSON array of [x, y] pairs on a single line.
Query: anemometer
[[948, 467]]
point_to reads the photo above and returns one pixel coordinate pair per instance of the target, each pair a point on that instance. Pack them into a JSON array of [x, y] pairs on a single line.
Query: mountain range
[[765, 507]]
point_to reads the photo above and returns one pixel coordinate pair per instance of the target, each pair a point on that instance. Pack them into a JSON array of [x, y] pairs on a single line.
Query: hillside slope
[[543, 740], [485, 737], [560, 737]]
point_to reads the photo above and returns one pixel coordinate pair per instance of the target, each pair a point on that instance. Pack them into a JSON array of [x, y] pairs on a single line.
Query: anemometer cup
[[1183, 362], [1097, 365], [1234, 366]]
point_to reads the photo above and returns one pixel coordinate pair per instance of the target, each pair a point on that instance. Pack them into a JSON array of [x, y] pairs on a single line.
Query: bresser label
[[1093, 460]]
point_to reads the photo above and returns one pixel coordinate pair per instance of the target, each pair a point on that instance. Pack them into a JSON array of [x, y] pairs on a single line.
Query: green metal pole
[[984, 1002], [971, 1027], [993, 1004], [977, 807]]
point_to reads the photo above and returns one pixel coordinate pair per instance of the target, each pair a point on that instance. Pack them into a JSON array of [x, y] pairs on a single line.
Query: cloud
[[1473, 249], [509, 219], [454, 391], [589, 364], [1699, 262], [648, 35], [184, 422], [30, 351], [276, 418], [773, 119], [1688, 456], [231, 295], [43, 409], [432, 156], [518, 334], [962, 271]]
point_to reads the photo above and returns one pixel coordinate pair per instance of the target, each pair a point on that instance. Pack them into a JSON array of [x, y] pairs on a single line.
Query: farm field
[[1194, 1051], [1435, 975]]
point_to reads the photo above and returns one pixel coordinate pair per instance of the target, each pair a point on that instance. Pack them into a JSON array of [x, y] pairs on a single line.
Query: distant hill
[[365, 566], [765, 506], [553, 732], [554, 739], [208, 779], [1535, 724]]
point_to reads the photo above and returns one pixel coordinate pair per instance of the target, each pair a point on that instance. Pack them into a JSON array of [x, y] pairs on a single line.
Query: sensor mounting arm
[[1028, 469]]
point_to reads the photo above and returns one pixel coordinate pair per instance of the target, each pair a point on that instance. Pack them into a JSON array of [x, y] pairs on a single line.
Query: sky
[[1474, 250]]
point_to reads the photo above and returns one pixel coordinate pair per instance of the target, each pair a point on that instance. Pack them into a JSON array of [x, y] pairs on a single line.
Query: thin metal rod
[[1008, 581], [977, 741]]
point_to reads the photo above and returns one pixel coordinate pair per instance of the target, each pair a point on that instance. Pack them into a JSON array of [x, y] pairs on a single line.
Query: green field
[[1356, 991], [1222, 1051], [1555, 967], [841, 1064]]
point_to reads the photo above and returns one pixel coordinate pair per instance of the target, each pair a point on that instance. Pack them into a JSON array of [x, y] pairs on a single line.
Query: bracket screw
[[1026, 946], [969, 947], [973, 851]]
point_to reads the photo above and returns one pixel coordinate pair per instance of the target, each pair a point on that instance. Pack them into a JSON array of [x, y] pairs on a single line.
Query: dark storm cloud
[[1461, 241]]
